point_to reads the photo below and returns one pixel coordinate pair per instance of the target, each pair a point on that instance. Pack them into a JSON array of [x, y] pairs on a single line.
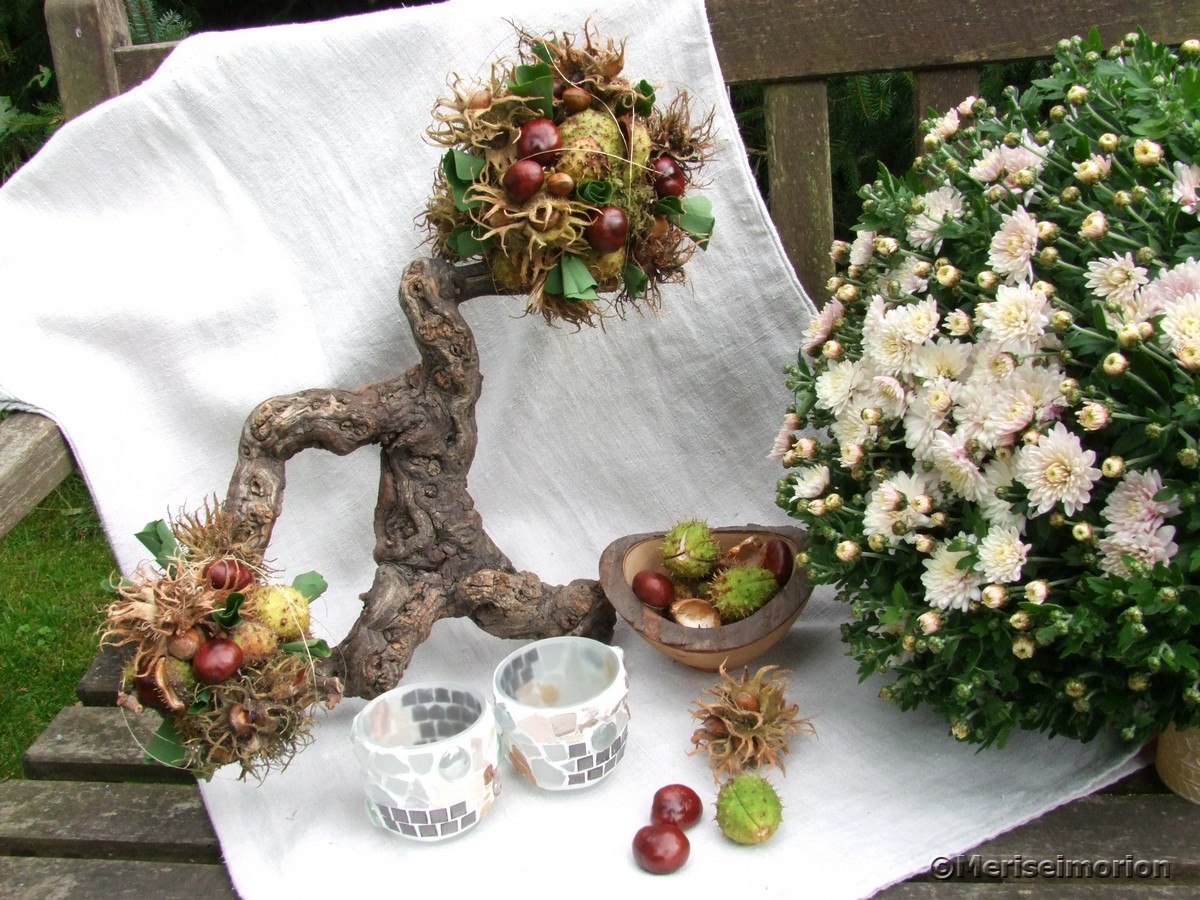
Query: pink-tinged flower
[[1095, 226], [1116, 278], [1173, 284], [1188, 356], [958, 323], [929, 622], [1093, 416], [822, 326], [1037, 591], [947, 125], [1013, 246], [1150, 548], [925, 231], [783, 440], [1094, 168], [946, 585], [1132, 507], [862, 248], [913, 275], [1181, 321], [890, 512], [1186, 186], [1057, 470], [954, 462], [1016, 320], [998, 474], [1002, 554], [967, 106]]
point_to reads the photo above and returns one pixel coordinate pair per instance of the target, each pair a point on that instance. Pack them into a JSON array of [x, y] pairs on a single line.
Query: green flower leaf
[[166, 746], [644, 105], [570, 278], [310, 584], [536, 84], [229, 615], [636, 280], [464, 240], [316, 648], [597, 193], [696, 219], [543, 52], [157, 537], [462, 170], [201, 702]]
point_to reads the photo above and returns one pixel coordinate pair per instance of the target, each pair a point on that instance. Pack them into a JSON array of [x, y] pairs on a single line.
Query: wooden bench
[[92, 820]]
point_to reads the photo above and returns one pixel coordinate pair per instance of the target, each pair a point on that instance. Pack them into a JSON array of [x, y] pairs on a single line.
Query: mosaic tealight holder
[[427, 756], [563, 709]]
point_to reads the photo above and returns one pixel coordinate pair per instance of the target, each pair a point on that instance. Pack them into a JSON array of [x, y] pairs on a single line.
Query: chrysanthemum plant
[[994, 437]]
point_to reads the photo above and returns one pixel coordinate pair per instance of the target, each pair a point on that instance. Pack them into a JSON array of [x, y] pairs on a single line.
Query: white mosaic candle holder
[[427, 756], [563, 709]]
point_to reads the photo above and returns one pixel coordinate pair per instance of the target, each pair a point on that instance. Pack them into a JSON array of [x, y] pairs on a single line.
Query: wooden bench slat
[[92, 743], [34, 460], [99, 684], [30, 877], [154, 822], [1050, 890]]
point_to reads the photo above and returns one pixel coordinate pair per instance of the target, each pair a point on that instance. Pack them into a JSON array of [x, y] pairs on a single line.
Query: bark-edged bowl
[[731, 645]]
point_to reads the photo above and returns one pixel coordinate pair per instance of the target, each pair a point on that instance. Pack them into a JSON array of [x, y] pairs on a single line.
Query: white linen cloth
[[236, 227]]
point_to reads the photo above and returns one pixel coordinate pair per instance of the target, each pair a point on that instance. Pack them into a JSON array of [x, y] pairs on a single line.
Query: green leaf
[[696, 219], [461, 170], [542, 51], [597, 193], [644, 105], [536, 84], [316, 648], [635, 280], [156, 536], [570, 278], [201, 702], [464, 241], [166, 746], [670, 206], [229, 615], [310, 584]]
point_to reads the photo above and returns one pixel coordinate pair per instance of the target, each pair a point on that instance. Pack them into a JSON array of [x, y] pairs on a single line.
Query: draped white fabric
[[236, 227]]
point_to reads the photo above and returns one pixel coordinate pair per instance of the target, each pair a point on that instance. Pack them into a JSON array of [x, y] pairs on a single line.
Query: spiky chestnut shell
[[745, 722], [258, 640], [748, 809], [689, 551], [739, 592], [282, 607], [593, 147]]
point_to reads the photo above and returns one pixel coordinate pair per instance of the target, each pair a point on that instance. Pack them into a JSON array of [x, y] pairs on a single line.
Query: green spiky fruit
[[748, 809], [593, 148], [282, 607], [689, 551], [742, 590], [258, 640]]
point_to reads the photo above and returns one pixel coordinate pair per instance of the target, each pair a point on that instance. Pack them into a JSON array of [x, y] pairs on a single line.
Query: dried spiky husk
[[484, 118], [280, 692], [739, 734], [212, 533]]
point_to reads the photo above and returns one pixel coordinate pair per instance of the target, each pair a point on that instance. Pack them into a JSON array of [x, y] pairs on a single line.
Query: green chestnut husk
[[738, 592], [748, 809], [689, 552]]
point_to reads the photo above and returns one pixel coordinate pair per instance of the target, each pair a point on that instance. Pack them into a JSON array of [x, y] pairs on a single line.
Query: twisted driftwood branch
[[434, 560]]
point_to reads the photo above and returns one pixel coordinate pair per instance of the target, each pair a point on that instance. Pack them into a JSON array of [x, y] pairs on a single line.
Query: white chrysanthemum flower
[[862, 248], [851, 428], [1132, 507], [1013, 246], [953, 460], [918, 321], [958, 322], [1057, 470], [821, 327], [1116, 278], [1181, 321], [925, 233], [890, 509], [1010, 412], [998, 474], [1002, 555], [942, 359], [835, 386], [891, 341], [889, 395], [908, 274], [1170, 285], [989, 167], [1017, 319], [783, 440], [1186, 187], [810, 482], [946, 126], [1151, 548], [946, 585], [1044, 385]]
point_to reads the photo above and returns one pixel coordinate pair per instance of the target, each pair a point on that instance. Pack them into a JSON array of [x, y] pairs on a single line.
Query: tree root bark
[[434, 560]]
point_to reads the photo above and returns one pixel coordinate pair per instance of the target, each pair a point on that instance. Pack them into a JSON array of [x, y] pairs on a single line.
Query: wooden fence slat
[[137, 63], [30, 877], [801, 181], [83, 34], [34, 460], [943, 89]]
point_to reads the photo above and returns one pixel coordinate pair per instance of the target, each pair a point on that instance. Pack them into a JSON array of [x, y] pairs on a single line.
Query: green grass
[[51, 603]]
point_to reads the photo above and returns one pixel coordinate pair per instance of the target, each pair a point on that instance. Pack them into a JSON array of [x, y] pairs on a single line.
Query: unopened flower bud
[[987, 279], [922, 503], [834, 500], [1020, 620], [1082, 532], [1188, 457], [1144, 255], [1037, 591], [1058, 112], [832, 349], [1031, 437], [847, 293], [1147, 153], [877, 542], [1077, 94], [938, 519], [817, 507], [1093, 416], [1115, 364], [995, 193], [1075, 688], [1137, 682], [958, 322], [1023, 647], [1122, 199], [1057, 519], [1061, 320], [1153, 430], [834, 283], [1113, 467], [1145, 330], [994, 596], [848, 551], [1108, 142], [872, 415], [1068, 385], [930, 621], [886, 246], [925, 544], [853, 454], [1048, 256], [839, 251], [1094, 227], [948, 276]]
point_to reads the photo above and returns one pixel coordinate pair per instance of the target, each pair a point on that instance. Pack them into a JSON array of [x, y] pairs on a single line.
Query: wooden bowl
[[731, 645]]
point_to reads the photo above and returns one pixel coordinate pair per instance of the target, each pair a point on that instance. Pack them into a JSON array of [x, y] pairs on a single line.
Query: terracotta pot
[[1178, 761]]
